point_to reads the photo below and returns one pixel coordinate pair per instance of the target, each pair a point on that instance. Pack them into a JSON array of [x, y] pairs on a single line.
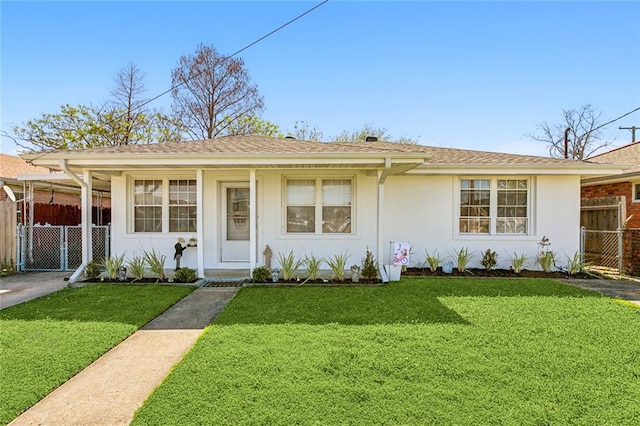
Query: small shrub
[[313, 264], [575, 264], [137, 266], [92, 271], [369, 266], [546, 260], [185, 275], [261, 274], [338, 264], [518, 261], [433, 260], [489, 259], [289, 265], [155, 263], [463, 257], [113, 264]]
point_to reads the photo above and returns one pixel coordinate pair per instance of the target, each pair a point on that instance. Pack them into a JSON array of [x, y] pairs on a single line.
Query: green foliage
[[575, 264], [313, 264], [518, 261], [155, 262], [92, 271], [546, 260], [338, 264], [136, 267], [252, 125], [463, 257], [261, 274], [185, 275], [361, 134], [399, 354], [433, 260], [369, 266], [112, 264], [489, 259], [48, 340], [289, 265]]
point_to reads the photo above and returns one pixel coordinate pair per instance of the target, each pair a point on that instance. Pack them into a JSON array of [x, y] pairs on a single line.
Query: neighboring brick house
[[54, 203], [626, 184]]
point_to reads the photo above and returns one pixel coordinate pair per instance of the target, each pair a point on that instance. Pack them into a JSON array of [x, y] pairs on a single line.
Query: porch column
[[87, 207], [253, 204], [380, 212], [200, 224]]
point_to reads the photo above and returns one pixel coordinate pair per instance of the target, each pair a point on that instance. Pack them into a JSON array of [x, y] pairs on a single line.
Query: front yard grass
[[46, 341], [420, 351]]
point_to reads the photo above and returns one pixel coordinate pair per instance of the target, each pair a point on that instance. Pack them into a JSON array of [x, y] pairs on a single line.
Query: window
[[636, 192], [147, 202], [182, 206], [318, 206], [156, 201], [494, 206]]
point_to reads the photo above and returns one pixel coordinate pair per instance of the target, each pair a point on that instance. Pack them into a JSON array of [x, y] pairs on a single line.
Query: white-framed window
[[636, 192], [164, 205], [318, 205], [496, 205]]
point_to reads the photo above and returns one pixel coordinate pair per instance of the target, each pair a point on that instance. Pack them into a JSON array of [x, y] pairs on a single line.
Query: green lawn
[[421, 351], [46, 341]]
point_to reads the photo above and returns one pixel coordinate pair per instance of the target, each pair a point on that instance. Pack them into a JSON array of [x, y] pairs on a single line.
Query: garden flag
[[401, 253]]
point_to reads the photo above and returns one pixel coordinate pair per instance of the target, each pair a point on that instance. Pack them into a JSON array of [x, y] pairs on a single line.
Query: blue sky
[[474, 75]]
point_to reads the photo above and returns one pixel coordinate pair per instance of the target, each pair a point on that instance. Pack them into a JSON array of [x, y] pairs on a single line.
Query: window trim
[[131, 179], [493, 206], [318, 206], [635, 192]]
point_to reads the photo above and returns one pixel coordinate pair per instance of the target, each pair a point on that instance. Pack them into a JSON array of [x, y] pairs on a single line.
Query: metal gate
[[57, 248], [602, 248]]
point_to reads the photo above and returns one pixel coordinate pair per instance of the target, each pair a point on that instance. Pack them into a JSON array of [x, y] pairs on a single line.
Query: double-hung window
[[318, 206], [494, 206], [164, 205]]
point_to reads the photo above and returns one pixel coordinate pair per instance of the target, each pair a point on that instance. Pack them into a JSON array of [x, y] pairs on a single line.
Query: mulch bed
[[494, 273]]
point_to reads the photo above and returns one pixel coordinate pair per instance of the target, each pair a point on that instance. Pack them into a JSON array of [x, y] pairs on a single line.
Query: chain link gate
[[57, 248], [602, 248]]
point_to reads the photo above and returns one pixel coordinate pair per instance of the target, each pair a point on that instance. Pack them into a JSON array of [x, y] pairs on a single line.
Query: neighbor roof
[[628, 156], [11, 167], [267, 151]]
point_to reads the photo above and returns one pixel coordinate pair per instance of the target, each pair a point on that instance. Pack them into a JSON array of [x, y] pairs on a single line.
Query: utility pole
[[633, 131]]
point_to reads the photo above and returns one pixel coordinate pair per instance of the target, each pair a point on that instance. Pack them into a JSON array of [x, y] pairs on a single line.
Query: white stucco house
[[237, 194]]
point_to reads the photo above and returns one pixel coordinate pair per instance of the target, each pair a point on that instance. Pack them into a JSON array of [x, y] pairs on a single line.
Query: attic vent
[[371, 139], [289, 137]]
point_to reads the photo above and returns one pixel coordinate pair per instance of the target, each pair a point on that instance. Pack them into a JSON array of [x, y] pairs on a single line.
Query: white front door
[[235, 223]]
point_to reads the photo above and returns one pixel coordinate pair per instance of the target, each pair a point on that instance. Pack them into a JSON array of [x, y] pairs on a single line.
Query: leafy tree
[[584, 136], [122, 120], [253, 125], [368, 130], [210, 92]]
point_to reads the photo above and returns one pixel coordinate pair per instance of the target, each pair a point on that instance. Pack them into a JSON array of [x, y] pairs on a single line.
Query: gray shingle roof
[[256, 146], [628, 155]]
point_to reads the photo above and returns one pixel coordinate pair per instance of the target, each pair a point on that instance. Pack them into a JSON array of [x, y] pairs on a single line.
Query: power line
[[286, 24], [233, 54], [609, 122]]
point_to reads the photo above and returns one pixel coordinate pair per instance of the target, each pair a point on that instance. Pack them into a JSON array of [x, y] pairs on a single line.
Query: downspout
[[86, 199]]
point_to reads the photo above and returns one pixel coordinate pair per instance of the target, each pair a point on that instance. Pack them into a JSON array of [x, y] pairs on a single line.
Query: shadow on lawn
[[410, 301]]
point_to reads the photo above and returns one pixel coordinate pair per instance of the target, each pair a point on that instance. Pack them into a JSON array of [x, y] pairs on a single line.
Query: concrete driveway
[[20, 287]]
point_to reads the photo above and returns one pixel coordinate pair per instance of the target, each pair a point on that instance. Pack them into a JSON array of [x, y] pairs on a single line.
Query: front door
[[235, 223]]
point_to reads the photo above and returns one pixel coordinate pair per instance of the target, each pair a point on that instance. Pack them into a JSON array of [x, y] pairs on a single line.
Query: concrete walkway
[[109, 391], [628, 290], [21, 287]]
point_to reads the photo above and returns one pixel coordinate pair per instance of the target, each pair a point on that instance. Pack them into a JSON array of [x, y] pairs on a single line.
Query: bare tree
[[121, 120], [211, 92], [368, 130], [581, 130], [302, 131]]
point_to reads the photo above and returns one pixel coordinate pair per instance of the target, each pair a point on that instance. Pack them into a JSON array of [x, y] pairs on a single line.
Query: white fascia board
[[44, 176], [514, 170]]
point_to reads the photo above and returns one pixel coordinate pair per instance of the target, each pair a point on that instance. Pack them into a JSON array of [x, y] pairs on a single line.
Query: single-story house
[[627, 185], [235, 195]]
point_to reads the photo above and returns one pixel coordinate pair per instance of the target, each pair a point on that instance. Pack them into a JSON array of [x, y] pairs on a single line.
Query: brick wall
[[615, 190], [59, 198], [631, 251]]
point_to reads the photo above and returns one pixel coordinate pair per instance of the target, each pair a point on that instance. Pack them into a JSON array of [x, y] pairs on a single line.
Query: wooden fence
[[603, 214], [8, 219]]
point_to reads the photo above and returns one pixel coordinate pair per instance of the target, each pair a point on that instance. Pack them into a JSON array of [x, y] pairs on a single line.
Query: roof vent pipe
[[371, 139]]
